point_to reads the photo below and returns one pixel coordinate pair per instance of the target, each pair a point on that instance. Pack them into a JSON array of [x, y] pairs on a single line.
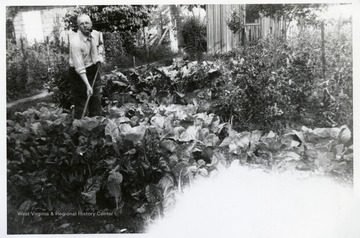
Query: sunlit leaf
[[37, 129], [170, 145], [158, 121], [153, 194], [27, 205], [92, 186], [202, 134], [242, 139], [114, 185], [226, 142], [189, 134], [289, 155], [215, 125], [345, 134], [325, 163], [134, 134], [211, 140], [112, 130], [340, 167]]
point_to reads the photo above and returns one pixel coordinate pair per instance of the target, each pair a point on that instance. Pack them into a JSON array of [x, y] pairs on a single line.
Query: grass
[[10, 112]]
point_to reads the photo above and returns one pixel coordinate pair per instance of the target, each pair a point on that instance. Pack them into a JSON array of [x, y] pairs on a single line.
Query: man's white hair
[[82, 16]]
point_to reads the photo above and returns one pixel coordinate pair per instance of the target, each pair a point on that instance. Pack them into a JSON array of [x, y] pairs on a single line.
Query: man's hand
[[89, 90]]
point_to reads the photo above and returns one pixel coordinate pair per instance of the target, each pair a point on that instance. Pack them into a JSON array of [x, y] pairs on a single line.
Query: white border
[[3, 198]]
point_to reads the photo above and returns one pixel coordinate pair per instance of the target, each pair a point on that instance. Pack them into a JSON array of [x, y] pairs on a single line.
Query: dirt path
[[41, 95]]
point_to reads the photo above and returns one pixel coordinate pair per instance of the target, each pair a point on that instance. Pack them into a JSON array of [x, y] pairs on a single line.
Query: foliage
[[16, 75], [26, 68], [31, 67], [121, 24], [334, 92], [235, 21], [118, 56], [143, 154], [59, 82], [182, 82], [238, 107], [269, 85], [122, 18], [305, 12], [190, 7], [266, 86], [115, 51], [124, 21], [193, 31]]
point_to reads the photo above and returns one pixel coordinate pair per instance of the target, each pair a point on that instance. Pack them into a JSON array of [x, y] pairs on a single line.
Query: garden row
[[135, 160], [258, 87], [164, 126]]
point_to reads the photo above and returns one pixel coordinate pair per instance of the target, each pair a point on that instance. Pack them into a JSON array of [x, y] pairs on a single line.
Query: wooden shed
[[221, 39]]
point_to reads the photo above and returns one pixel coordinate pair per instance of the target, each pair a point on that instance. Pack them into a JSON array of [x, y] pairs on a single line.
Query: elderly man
[[86, 47]]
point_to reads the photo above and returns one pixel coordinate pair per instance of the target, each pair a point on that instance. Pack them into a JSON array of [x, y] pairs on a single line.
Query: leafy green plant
[[146, 161], [16, 69], [59, 82], [332, 94], [193, 31], [264, 87], [26, 68]]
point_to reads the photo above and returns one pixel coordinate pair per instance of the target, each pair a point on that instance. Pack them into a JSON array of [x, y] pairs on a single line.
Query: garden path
[[43, 94]]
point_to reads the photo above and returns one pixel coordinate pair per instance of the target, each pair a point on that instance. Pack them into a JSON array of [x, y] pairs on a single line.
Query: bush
[[59, 81], [16, 72], [119, 52], [193, 31], [26, 70], [262, 88], [274, 83], [334, 92]]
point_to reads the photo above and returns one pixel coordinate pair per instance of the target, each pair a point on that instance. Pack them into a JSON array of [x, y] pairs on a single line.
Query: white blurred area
[[33, 26], [336, 11], [239, 202]]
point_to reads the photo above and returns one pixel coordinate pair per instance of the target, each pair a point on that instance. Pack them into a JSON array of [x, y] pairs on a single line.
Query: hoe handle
[[88, 98]]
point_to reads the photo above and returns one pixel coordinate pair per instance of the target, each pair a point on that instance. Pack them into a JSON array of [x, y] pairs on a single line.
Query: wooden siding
[[221, 39]]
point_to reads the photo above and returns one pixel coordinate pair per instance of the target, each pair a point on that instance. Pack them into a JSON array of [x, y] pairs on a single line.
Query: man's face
[[85, 25]]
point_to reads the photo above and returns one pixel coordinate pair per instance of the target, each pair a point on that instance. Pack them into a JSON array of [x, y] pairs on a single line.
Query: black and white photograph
[[210, 119]]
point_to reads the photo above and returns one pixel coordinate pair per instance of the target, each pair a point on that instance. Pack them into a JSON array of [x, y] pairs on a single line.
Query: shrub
[[26, 69], [276, 82], [59, 81], [193, 31], [334, 92], [263, 88], [16, 71]]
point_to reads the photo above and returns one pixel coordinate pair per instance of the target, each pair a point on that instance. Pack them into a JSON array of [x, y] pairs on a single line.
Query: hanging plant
[[236, 20]]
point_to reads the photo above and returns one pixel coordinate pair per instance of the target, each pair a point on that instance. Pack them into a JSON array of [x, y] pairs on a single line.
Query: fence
[[221, 39]]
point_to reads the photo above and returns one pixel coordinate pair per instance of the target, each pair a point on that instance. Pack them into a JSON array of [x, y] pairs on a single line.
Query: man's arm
[[80, 66], [89, 90]]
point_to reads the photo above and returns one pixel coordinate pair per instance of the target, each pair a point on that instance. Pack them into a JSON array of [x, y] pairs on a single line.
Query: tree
[[303, 13], [111, 18]]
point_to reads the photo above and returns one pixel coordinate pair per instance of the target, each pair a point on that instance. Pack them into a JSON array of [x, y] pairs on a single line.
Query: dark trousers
[[78, 90]]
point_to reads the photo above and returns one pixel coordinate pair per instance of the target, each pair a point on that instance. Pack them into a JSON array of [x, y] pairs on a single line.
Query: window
[[252, 14]]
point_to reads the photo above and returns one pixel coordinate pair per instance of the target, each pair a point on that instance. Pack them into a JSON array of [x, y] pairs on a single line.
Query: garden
[[170, 119]]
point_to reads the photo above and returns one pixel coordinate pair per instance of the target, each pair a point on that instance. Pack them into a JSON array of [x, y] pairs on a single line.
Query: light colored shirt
[[86, 50]]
